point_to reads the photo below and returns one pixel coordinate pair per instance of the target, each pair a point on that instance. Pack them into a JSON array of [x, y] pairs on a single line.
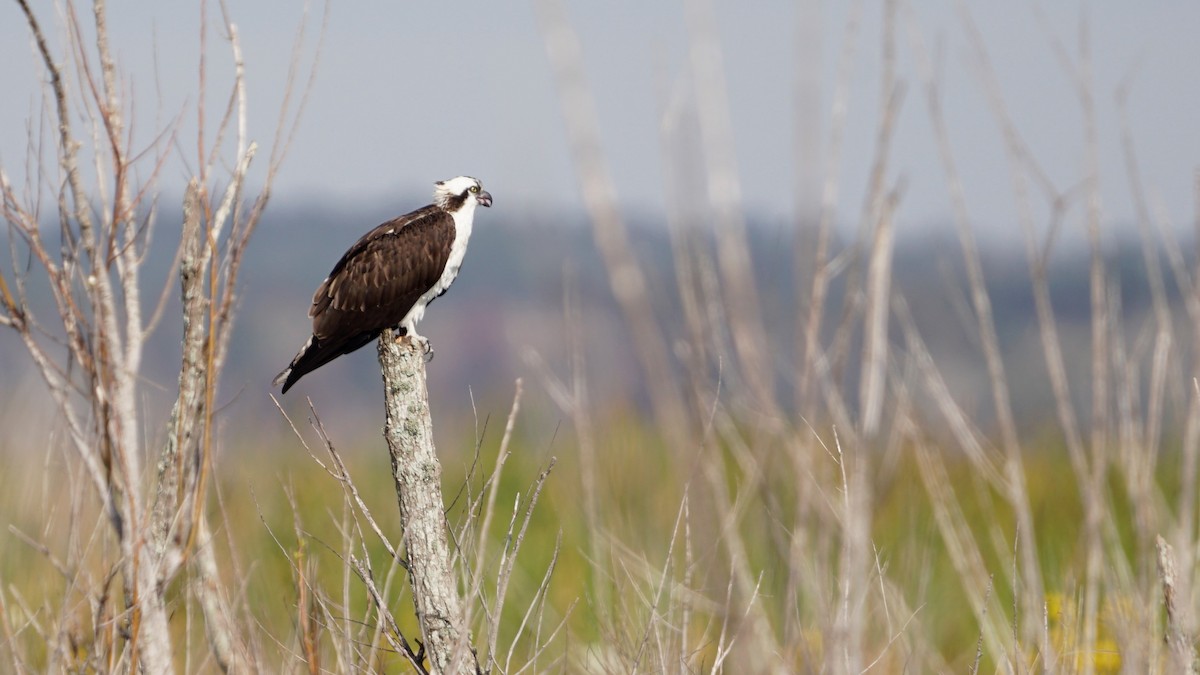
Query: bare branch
[[628, 282], [1015, 488], [509, 557]]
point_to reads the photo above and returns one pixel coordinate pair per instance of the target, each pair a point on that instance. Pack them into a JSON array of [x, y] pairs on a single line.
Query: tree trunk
[[415, 467]]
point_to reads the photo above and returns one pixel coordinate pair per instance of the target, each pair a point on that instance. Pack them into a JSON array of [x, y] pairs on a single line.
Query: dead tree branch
[[88, 342]]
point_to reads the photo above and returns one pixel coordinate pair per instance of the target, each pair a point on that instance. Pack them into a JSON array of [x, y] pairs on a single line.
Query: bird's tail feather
[[316, 353]]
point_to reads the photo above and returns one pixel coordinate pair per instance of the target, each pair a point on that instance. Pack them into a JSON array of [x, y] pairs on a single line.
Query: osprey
[[389, 276]]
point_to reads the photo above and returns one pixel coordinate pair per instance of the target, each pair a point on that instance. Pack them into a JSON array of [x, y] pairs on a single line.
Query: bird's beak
[[485, 198]]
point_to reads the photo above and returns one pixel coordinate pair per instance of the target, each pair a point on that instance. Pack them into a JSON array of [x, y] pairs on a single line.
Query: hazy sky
[[410, 92]]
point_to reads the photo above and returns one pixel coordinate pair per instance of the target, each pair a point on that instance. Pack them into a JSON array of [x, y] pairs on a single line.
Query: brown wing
[[373, 286], [380, 278]]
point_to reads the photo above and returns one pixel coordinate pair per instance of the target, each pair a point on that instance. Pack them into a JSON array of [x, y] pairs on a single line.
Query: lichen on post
[[408, 429]]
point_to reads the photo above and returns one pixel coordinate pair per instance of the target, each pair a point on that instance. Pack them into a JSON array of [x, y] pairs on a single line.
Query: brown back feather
[[382, 275]]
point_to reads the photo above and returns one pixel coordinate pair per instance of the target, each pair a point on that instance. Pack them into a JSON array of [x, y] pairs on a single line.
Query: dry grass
[[847, 515]]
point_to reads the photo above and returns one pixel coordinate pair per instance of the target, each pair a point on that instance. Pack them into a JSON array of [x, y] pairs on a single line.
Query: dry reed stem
[[1015, 488], [963, 550], [355, 507], [628, 282], [707, 352], [809, 161], [1186, 504], [874, 200], [849, 625], [1089, 472], [17, 660], [979, 644], [581, 419], [1179, 641], [508, 560], [536, 610], [875, 318], [822, 270], [664, 575], [764, 653], [488, 512], [724, 198], [1101, 368]]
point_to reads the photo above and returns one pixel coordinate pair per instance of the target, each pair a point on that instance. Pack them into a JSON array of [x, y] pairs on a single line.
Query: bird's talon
[[421, 342], [426, 347]]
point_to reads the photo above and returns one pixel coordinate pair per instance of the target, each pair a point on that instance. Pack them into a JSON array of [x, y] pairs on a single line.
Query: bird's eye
[[474, 188]]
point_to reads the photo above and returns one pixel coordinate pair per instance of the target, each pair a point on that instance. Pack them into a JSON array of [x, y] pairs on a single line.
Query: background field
[[707, 437]]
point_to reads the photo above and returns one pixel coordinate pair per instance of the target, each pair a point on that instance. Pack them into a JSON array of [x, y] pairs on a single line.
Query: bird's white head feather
[[458, 192]]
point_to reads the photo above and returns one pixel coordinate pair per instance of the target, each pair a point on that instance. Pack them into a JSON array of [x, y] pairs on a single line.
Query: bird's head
[[456, 193]]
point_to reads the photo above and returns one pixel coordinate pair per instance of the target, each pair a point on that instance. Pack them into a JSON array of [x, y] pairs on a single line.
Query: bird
[[389, 276]]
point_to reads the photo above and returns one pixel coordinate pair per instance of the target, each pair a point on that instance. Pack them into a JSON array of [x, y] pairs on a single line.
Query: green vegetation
[[284, 519]]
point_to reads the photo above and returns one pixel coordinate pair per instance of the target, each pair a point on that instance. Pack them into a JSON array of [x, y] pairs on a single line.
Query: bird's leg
[[423, 343]]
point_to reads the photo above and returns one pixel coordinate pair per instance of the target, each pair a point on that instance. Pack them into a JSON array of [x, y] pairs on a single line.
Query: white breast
[[464, 219]]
